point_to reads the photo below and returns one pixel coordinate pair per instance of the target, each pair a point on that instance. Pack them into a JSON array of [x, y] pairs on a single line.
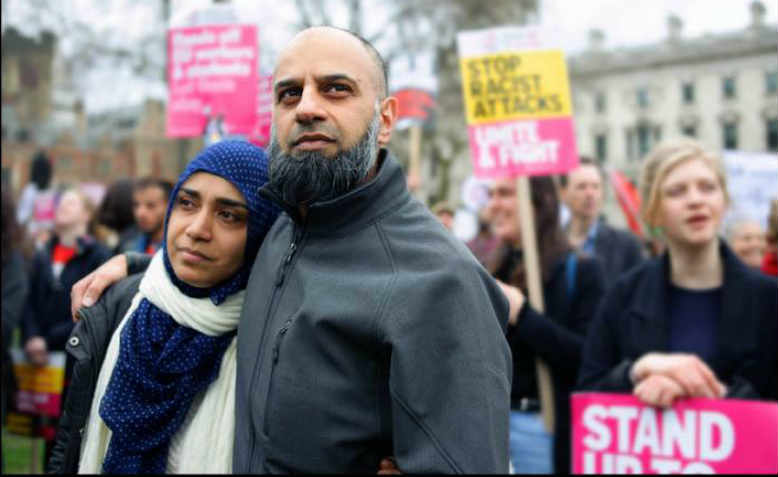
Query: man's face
[[583, 194], [148, 207], [446, 219], [325, 92]]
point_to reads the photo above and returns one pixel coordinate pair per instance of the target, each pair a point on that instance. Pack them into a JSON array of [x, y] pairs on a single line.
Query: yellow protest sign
[[515, 85], [46, 379]]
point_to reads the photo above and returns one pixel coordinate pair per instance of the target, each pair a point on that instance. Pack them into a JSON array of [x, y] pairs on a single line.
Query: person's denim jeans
[[531, 446]]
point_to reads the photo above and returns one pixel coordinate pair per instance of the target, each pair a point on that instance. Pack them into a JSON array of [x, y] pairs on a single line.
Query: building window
[[729, 132], [689, 131], [642, 97], [728, 87], [600, 103], [771, 80], [687, 92], [644, 139], [772, 134], [601, 147]]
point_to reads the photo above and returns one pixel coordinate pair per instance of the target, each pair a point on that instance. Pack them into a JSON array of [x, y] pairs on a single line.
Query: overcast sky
[[624, 23]]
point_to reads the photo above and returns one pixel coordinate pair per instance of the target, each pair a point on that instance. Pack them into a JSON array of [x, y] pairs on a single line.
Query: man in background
[[445, 214], [149, 203], [583, 191]]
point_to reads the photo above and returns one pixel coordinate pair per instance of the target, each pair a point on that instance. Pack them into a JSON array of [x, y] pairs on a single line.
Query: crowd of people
[[296, 310]]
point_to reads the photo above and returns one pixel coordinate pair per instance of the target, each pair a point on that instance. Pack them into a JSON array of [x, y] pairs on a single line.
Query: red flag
[[629, 200]]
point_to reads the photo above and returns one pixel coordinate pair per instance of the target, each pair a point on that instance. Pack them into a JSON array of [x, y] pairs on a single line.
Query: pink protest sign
[[522, 148], [615, 433], [260, 135], [517, 103], [212, 72]]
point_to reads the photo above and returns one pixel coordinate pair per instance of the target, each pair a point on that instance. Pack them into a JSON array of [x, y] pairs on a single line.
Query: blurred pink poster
[[616, 434], [212, 77], [260, 135]]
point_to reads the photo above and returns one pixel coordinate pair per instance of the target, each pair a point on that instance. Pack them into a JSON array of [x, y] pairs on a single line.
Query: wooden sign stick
[[535, 287], [414, 168]]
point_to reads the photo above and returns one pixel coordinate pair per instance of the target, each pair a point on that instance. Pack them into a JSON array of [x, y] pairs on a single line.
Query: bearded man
[[368, 330]]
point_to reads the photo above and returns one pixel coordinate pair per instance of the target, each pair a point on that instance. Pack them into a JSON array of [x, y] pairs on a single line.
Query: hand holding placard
[[687, 370]]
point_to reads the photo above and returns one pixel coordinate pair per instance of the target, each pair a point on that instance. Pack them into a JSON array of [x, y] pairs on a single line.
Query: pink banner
[[523, 148], [212, 72], [615, 433], [260, 135], [38, 403]]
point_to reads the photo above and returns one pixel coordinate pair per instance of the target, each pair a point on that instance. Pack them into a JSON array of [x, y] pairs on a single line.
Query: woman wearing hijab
[[153, 385]]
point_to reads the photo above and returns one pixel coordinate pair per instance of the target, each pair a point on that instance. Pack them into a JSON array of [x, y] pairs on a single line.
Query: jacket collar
[[651, 303], [357, 208], [83, 244]]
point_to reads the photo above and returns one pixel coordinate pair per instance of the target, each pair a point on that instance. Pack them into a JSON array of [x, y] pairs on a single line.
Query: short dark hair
[[145, 182], [116, 208], [583, 161], [40, 170]]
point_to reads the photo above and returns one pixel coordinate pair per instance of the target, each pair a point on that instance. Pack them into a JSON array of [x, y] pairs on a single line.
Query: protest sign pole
[[414, 167], [535, 289]]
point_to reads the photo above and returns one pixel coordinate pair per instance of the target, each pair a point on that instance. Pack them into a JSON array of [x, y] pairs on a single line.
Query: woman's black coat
[[632, 321]]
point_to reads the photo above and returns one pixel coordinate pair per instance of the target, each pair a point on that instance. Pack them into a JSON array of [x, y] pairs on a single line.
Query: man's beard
[[310, 176]]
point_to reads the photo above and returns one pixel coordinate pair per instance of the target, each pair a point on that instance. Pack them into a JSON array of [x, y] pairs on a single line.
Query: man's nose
[[309, 108]]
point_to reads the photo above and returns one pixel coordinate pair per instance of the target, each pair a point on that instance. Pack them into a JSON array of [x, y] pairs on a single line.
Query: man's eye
[[288, 94], [337, 88]]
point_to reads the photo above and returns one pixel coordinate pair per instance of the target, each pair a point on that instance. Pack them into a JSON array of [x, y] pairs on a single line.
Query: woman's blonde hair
[[664, 158]]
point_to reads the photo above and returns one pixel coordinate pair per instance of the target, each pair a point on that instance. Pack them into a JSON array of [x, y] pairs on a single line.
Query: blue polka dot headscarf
[[245, 166], [163, 365]]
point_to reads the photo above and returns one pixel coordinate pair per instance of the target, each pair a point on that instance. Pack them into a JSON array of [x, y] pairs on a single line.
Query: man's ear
[[388, 118]]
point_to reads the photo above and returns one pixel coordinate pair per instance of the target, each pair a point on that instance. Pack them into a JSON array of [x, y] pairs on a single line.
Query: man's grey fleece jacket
[[369, 330]]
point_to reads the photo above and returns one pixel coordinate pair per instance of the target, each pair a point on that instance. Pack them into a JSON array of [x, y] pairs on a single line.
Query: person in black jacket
[[572, 287], [67, 257], [583, 191], [695, 322], [15, 285]]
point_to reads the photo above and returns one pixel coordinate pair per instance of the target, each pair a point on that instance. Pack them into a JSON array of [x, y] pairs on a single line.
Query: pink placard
[[212, 71], [38, 403], [260, 135], [523, 148], [615, 433]]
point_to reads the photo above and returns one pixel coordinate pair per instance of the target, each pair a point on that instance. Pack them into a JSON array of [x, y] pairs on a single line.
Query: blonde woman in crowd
[[696, 321]]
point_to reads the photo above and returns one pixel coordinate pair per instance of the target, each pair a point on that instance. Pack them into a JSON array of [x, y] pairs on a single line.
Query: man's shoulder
[[618, 236]]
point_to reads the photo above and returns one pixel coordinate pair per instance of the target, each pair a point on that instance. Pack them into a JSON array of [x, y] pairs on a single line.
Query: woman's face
[[749, 243], [71, 211], [691, 204], [207, 229], [502, 210]]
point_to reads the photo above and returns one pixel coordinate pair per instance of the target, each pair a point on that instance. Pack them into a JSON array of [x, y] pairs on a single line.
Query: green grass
[[17, 453]]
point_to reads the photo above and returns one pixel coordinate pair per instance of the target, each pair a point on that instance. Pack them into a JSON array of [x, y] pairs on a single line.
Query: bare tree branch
[[305, 17], [323, 12]]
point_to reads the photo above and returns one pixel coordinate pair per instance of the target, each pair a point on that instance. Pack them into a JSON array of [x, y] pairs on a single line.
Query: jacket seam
[[389, 287], [420, 423]]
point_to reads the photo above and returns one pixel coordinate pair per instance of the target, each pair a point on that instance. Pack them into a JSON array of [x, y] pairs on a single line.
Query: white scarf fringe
[[204, 442]]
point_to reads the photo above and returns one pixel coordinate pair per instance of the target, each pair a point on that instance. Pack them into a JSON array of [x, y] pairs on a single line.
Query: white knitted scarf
[[204, 442]]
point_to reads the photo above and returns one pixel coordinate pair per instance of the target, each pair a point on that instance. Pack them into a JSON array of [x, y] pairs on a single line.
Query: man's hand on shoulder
[[88, 290]]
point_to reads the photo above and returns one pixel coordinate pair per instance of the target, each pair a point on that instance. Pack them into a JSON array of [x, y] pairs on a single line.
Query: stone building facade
[[721, 89], [42, 111]]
